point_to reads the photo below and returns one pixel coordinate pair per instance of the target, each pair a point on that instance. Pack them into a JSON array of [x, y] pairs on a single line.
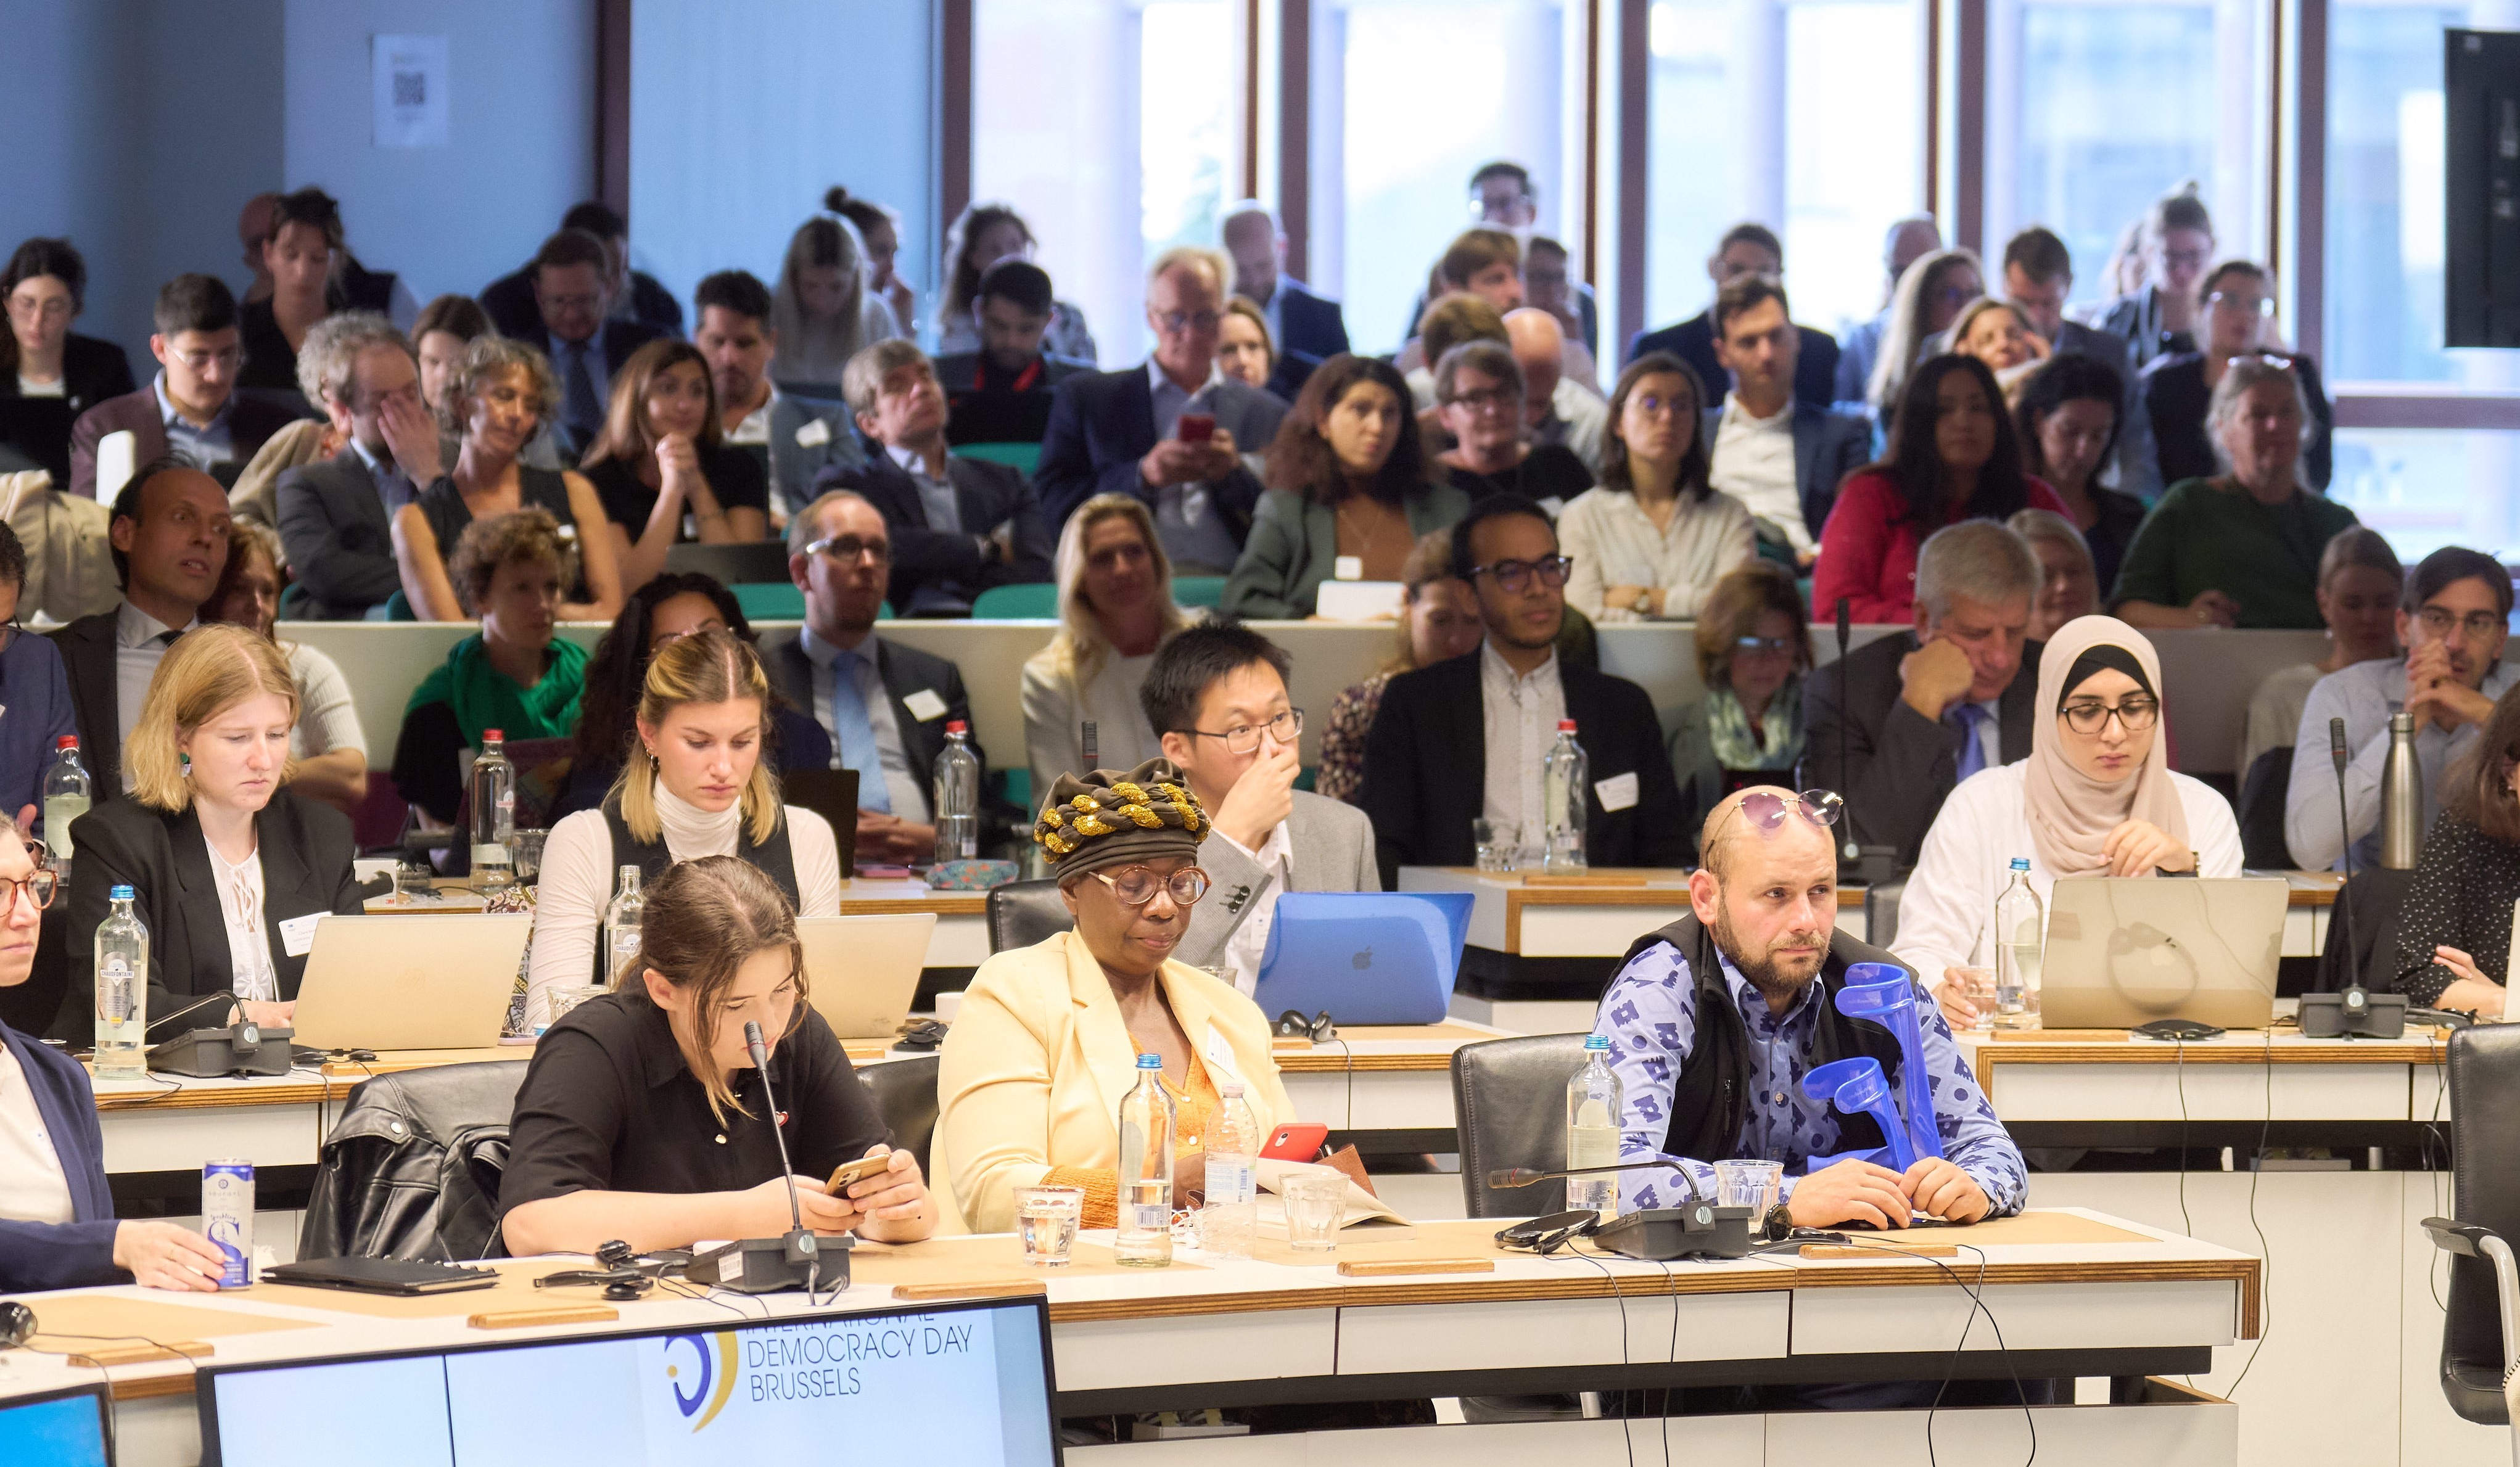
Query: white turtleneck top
[[579, 877]]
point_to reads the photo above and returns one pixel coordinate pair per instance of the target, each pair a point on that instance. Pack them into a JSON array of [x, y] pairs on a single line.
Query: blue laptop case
[[1366, 957]]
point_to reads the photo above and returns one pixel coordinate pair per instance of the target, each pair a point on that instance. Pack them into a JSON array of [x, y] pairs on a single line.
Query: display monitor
[[59, 1428], [968, 1384]]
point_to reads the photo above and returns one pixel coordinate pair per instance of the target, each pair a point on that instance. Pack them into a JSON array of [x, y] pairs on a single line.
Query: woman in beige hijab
[[2097, 797]]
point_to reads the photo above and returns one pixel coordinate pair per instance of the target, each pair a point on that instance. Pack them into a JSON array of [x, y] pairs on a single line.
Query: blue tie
[[855, 728], [581, 411], [1972, 748]]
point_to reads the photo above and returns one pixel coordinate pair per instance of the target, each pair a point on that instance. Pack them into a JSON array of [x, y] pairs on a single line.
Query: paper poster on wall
[[411, 90]]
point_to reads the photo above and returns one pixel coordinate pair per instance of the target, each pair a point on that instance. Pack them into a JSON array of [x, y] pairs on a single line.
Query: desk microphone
[[1509, 1177], [2352, 1011], [771, 1265], [1850, 852]]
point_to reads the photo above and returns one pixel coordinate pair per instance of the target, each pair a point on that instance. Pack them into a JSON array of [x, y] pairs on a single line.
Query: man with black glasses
[[885, 705], [1218, 692], [1430, 770], [2452, 620]]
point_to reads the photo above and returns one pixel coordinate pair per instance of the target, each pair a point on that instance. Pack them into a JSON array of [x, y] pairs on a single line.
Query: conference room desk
[[2359, 1130], [2080, 1295]]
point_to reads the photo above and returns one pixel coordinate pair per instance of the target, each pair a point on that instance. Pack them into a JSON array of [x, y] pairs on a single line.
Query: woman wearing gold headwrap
[[1048, 1037], [2097, 797]]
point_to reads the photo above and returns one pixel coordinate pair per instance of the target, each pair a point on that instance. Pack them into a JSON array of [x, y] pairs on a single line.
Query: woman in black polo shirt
[[643, 1119]]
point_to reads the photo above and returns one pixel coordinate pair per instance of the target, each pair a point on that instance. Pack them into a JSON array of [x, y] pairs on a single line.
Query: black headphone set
[[1319, 1029], [624, 1274], [17, 1324]]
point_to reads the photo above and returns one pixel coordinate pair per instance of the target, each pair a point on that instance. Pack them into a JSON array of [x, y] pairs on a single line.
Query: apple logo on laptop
[[1364, 959]]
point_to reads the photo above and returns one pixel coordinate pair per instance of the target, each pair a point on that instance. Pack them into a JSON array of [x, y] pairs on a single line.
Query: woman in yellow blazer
[[1048, 1037]]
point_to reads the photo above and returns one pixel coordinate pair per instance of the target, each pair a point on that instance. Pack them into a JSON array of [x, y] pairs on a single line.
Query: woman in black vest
[[695, 785]]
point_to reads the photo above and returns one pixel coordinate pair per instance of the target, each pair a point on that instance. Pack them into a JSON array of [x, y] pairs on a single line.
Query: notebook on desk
[[861, 972], [1364, 958], [2122, 952], [407, 982]]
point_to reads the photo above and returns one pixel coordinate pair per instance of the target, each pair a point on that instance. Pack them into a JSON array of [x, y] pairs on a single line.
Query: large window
[[1806, 115], [1410, 97], [1111, 125], [2095, 109], [2425, 488]]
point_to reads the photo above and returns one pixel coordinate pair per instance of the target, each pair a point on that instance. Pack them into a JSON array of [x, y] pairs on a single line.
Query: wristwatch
[[1644, 603]]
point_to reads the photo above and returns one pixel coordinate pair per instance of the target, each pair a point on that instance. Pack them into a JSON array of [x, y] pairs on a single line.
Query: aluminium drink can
[[227, 1217]]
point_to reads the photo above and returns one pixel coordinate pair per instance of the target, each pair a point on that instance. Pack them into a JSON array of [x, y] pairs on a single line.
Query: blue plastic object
[[1882, 993]]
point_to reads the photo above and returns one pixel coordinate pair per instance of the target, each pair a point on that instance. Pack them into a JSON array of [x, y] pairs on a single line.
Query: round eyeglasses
[[2090, 714], [1137, 885]]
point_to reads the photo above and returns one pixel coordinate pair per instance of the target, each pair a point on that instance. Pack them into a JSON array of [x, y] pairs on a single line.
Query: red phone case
[[1299, 1141], [1195, 427]]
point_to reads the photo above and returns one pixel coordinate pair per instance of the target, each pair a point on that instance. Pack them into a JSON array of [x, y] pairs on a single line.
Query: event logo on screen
[[711, 1371]]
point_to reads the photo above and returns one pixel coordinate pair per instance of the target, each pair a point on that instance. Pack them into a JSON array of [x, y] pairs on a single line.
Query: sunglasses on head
[[1766, 809]]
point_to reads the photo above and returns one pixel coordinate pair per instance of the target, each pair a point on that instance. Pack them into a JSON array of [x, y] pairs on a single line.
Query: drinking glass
[[529, 854], [1316, 1202], [1977, 984], [1497, 842], [413, 883], [567, 995], [1753, 1184], [1046, 1218]]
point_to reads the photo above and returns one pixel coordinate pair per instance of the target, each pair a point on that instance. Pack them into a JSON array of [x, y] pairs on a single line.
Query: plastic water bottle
[[1562, 802], [67, 790], [1147, 1125], [494, 815], [1230, 1219], [957, 796], [121, 990], [1593, 1108], [2018, 930], [621, 926]]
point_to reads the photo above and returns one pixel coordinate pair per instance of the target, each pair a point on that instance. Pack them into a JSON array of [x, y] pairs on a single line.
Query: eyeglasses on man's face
[[1137, 885], [847, 547], [1516, 575], [1242, 738], [2440, 621]]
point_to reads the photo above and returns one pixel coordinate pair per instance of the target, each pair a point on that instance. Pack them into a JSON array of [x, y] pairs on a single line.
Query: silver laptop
[[2123, 952], [863, 971], [411, 982]]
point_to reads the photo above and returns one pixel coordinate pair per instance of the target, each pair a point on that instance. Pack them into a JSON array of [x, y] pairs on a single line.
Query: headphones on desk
[[17, 1324]]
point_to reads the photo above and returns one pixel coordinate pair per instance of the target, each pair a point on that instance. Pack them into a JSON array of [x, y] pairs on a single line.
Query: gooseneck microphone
[[771, 1266], [2351, 1010], [1508, 1178], [1845, 634], [2356, 998]]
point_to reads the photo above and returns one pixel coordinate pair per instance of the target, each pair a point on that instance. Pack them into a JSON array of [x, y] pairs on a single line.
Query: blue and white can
[[227, 1217]]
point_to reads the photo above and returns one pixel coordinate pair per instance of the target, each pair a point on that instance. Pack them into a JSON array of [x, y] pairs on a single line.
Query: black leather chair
[[903, 1092], [2368, 905], [2484, 1282], [1882, 911], [2263, 787], [1024, 913], [412, 1168], [1510, 1102]]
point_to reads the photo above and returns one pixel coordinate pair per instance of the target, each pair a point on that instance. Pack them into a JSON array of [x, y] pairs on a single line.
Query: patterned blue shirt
[[1651, 1016]]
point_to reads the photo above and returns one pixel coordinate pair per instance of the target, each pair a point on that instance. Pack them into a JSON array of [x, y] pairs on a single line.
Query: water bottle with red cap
[[1563, 802], [957, 796], [494, 815]]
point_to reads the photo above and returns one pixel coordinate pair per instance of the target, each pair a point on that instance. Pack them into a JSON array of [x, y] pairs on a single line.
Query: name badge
[[1220, 1054], [814, 434], [297, 934], [1618, 792], [925, 705], [1348, 568]]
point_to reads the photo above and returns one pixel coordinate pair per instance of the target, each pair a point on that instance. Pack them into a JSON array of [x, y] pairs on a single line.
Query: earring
[[188, 765]]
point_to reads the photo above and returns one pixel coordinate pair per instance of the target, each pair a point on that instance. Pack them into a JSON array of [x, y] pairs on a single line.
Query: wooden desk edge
[[2373, 1053]]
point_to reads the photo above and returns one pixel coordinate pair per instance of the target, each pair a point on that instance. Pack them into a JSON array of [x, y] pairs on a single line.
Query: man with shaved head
[[1561, 404], [1714, 1021]]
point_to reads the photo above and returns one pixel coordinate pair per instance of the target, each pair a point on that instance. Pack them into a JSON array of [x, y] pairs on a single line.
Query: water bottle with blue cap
[[2019, 928]]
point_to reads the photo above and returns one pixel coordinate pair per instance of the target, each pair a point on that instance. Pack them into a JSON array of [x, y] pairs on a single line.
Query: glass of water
[[1046, 1218], [1754, 1184], [1977, 984], [529, 854], [1497, 842], [1316, 1203]]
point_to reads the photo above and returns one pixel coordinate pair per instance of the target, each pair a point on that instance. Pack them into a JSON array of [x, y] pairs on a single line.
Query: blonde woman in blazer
[[1048, 1037]]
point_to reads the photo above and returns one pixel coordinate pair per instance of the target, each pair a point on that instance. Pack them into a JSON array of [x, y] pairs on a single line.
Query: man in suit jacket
[[737, 338], [336, 515], [587, 348], [1746, 249], [1779, 456], [959, 526], [1305, 328], [629, 294], [2038, 277], [170, 540], [1001, 392], [192, 408], [885, 705], [1217, 693], [1118, 433], [1430, 769], [1908, 716]]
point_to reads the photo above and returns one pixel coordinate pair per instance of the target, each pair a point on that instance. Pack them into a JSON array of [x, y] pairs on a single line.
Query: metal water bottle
[[2402, 797]]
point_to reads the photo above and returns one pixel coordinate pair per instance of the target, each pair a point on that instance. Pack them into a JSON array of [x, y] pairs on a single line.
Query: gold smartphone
[[849, 1174]]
